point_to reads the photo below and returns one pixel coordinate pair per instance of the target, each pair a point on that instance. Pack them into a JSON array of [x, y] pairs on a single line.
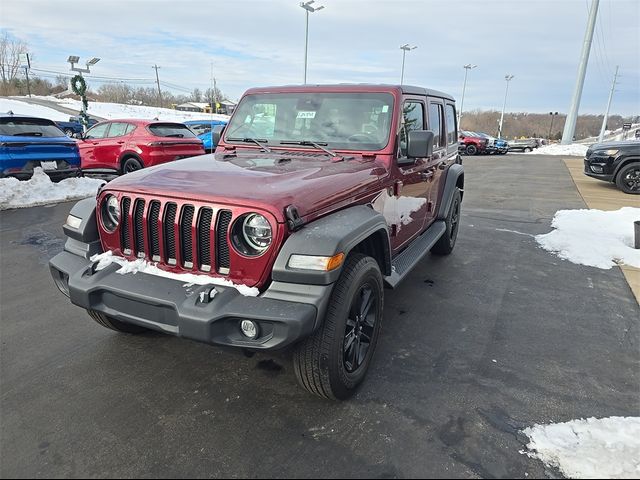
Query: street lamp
[[73, 59], [405, 48], [553, 114], [308, 9], [508, 78], [467, 67]]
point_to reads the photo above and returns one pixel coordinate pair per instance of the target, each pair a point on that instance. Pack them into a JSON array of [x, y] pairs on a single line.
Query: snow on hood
[[40, 190], [591, 448], [593, 237]]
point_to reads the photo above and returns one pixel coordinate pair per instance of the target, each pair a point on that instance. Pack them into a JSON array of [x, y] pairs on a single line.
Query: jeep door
[[90, 145], [406, 208]]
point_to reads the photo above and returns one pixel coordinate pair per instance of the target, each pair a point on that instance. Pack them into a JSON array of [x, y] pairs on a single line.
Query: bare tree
[[10, 50]]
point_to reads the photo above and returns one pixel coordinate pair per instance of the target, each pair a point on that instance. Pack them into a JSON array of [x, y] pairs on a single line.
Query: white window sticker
[[385, 108], [302, 114]]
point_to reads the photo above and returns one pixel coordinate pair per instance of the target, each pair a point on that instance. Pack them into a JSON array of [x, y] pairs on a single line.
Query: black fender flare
[[84, 240], [128, 154], [455, 173], [335, 233]]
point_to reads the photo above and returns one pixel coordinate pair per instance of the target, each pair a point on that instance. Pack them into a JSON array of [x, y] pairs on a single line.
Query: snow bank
[[575, 149], [141, 265], [40, 190], [23, 108], [116, 111], [591, 448], [593, 237]]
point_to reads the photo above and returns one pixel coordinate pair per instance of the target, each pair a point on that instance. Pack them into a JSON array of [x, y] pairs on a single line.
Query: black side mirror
[[420, 144], [217, 134]]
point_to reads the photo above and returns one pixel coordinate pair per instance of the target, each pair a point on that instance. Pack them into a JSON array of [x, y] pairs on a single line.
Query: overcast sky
[[255, 43]]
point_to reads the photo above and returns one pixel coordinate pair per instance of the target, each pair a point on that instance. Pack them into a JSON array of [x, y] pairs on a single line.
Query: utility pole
[[508, 78], [156, 67], [606, 114], [572, 117], [25, 62], [26, 72], [464, 87]]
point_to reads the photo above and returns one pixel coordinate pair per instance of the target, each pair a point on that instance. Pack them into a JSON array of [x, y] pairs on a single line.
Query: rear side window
[[29, 127], [176, 130], [436, 119], [118, 129], [452, 136]]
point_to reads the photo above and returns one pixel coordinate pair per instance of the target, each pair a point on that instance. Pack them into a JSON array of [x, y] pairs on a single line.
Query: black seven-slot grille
[[159, 231]]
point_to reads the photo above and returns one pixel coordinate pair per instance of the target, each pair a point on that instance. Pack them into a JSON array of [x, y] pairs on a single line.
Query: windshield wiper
[[28, 134], [309, 143], [175, 135], [257, 141]]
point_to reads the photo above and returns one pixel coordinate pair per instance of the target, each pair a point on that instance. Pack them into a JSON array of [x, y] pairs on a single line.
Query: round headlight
[[257, 231], [252, 234], [110, 213]]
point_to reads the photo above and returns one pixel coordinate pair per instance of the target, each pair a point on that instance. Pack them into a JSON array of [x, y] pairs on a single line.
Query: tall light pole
[[73, 59], [467, 67], [553, 114], [308, 9], [405, 48], [572, 116], [606, 115], [508, 78]]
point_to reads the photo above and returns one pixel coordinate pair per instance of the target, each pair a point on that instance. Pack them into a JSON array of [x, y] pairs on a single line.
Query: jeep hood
[[310, 181]]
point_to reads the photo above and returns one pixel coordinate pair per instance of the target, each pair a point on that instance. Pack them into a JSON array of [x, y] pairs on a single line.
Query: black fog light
[[597, 169], [249, 329]]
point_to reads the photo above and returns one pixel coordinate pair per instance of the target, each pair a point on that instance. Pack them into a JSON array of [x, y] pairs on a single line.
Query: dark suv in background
[[616, 162]]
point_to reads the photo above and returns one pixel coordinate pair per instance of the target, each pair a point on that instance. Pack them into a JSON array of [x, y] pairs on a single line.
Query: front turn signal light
[[313, 262]]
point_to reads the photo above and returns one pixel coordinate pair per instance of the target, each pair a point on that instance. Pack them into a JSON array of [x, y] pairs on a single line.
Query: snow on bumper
[[188, 311]]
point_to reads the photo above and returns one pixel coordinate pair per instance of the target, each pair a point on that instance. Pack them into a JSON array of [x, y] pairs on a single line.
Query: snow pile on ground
[[120, 111], [591, 448], [575, 149], [40, 190], [141, 265], [593, 237], [23, 108]]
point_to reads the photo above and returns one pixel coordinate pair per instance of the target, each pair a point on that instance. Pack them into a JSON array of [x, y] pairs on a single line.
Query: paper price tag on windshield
[[306, 114]]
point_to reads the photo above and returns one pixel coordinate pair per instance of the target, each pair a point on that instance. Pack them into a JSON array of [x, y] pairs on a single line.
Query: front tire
[[628, 178], [447, 241], [113, 324], [333, 362], [68, 132], [471, 150]]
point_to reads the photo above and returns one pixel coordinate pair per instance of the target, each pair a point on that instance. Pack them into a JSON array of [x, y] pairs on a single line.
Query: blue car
[[28, 142], [202, 128]]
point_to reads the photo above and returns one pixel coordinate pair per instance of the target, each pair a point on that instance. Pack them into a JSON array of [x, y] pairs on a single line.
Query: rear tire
[[527, 149], [628, 178], [471, 150], [333, 362], [447, 241], [113, 324], [131, 164], [68, 132]]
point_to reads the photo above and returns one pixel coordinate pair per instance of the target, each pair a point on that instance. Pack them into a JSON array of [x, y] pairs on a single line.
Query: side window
[[99, 131], [436, 120], [130, 128], [412, 119], [118, 129], [452, 136]]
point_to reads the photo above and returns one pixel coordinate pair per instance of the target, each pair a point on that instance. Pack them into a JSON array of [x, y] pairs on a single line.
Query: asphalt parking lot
[[496, 337]]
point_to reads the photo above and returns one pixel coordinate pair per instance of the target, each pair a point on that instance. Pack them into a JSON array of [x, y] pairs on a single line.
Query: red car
[[123, 146], [471, 143]]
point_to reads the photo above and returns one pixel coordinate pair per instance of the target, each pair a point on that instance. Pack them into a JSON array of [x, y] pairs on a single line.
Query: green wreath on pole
[[79, 87]]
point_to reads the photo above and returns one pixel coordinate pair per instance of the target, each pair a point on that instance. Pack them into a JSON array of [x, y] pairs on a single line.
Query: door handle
[[119, 143]]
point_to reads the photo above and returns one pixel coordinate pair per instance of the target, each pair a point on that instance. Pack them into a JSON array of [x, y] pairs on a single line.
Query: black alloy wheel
[[131, 165], [360, 328], [471, 149], [628, 179]]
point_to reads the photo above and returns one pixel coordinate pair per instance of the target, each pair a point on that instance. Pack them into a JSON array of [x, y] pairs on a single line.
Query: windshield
[[29, 127], [346, 121]]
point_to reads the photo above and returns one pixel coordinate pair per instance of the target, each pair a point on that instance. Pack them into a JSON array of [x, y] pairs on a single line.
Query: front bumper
[[605, 175], [284, 315]]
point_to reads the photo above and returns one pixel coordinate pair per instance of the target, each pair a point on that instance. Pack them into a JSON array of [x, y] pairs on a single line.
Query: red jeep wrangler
[[316, 198]]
